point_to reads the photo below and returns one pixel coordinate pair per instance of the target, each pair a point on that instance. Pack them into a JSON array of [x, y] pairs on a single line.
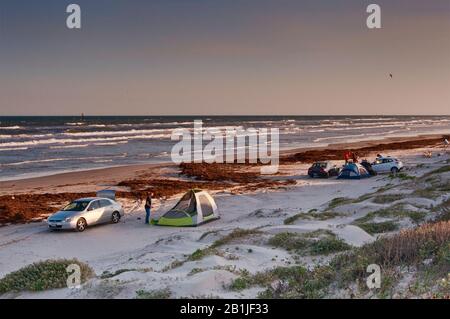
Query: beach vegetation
[[339, 201], [402, 176], [429, 242], [236, 234], [318, 243], [107, 274], [212, 249], [387, 198], [312, 215], [378, 228], [154, 294], [195, 271], [429, 192], [43, 275], [396, 211], [440, 170]]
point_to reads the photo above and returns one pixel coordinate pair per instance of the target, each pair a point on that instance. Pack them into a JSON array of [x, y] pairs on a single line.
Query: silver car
[[85, 212]]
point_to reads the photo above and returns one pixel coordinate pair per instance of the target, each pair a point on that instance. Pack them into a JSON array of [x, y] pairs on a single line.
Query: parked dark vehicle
[[369, 168], [323, 169]]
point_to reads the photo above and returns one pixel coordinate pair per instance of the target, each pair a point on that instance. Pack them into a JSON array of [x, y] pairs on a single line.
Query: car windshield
[[320, 165], [76, 206]]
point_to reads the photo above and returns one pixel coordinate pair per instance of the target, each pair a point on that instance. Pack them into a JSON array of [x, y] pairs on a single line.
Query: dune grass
[[234, 235], [339, 201], [378, 228], [154, 294], [402, 176], [312, 216], [396, 211], [440, 170], [387, 198], [44, 275], [407, 248], [199, 254], [306, 244]]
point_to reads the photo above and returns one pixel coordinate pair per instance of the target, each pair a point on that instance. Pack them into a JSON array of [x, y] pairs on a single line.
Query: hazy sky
[[227, 57]]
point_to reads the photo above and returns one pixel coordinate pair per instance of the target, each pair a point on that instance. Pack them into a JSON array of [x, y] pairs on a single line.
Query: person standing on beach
[[445, 143], [148, 207], [347, 156], [355, 157]]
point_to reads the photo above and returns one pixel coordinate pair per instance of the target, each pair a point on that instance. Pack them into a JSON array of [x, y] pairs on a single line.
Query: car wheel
[[81, 225], [394, 170], [115, 217]]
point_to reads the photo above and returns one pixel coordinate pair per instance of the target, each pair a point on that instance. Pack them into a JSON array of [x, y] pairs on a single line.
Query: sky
[[222, 57]]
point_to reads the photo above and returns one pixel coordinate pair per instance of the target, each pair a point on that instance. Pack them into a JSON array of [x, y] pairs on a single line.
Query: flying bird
[[390, 74]]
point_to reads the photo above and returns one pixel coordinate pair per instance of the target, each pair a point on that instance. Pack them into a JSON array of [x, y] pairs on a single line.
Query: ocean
[[37, 146]]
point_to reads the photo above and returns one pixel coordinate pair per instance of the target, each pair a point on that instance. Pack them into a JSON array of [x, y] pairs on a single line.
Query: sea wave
[[321, 139], [82, 140], [114, 133], [60, 159], [15, 127], [69, 146], [110, 143], [13, 149], [36, 161]]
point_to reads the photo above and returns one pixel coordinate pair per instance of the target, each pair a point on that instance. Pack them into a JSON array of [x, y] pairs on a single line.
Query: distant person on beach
[[347, 156], [148, 207], [445, 142]]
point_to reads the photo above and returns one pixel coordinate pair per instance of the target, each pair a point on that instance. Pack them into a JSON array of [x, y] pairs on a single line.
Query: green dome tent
[[194, 208]]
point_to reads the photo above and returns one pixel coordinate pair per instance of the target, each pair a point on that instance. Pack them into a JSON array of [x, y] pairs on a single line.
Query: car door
[[107, 210], [389, 164], [94, 213], [378, 166], [386, 166]]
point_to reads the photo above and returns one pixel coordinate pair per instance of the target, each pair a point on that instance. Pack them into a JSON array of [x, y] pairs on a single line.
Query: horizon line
[[217, 115]]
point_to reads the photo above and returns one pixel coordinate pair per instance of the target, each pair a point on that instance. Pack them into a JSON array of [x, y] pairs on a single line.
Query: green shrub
[[240, 283], [407, 248], [199, 254], [312, 215], [378, 228], [154, 294], [402, 176], [391, 212], [387, 198], [235, 234], [288, 241], [306, 244], [325, 246], [44, 275], [338, 201]]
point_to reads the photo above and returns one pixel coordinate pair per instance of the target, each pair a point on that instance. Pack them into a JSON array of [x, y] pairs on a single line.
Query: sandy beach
[[132, 258], [251, 151]]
